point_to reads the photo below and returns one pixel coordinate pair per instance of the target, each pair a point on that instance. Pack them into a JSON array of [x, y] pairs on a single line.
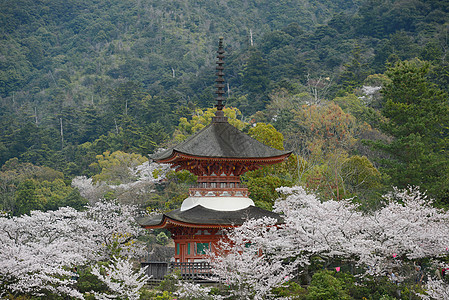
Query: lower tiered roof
[[202, 217]]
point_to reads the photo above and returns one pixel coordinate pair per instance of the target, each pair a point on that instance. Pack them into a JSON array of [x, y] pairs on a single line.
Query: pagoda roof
[[202, 217], [220, 140]]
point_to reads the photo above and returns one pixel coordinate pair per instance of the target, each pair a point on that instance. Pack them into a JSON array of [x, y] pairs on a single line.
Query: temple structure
[[218, 154]]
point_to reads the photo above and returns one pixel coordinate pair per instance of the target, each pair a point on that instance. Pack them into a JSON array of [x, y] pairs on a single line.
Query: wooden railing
[[218, 191], [196, 271], [193, 270]]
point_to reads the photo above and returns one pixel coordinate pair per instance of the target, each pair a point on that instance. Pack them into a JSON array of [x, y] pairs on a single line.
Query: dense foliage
[[78, 78], [358, 90]]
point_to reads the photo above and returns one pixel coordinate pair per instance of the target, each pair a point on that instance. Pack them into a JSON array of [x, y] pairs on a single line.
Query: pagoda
[[218, 155]]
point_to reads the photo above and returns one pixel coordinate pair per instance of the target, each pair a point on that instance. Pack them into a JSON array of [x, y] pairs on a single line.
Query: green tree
[[267, 134], [263, 188], [116, 167], [275, 40], [202, 118], [13, 180], [256, 81], [325, 286], [25, 187], [55, 194], [27, 198], [361, 178], [74, 199], [321, 130], [355, 71], [125, 98], [418, 118], [151, 137], [262, 183]]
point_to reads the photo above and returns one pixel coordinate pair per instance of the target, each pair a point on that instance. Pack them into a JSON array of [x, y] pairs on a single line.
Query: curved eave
[[220, 140], [168, 222], [179, 156], [202, 217]]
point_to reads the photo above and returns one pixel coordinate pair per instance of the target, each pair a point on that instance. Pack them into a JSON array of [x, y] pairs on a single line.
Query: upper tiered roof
[[221, 140]]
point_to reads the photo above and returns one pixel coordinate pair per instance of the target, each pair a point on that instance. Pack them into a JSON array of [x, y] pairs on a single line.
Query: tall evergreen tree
[[256, 81], [418, 114]]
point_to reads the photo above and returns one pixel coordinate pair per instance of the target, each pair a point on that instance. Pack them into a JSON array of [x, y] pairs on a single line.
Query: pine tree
[[418, 114], [256, 81]]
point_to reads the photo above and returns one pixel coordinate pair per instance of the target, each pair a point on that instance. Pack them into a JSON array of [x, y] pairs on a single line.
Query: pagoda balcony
[[219, 185], [219, 189], [217, 192]]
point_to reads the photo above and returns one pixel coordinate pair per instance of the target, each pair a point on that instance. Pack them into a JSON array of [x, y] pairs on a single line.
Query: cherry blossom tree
[[436, 289], [121, 280], [116, 229], [188, 290], [251, 259], [139, 182], [38, 250], [408, 228], [329, 229]]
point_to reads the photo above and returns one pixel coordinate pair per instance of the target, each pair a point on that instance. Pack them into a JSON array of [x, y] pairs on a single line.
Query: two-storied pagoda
[[218, 154]]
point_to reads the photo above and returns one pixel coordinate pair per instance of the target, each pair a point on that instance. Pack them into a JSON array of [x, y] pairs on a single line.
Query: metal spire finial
[[219, 83]]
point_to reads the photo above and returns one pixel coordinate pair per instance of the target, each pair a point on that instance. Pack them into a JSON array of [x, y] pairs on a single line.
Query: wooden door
[[183, 252]]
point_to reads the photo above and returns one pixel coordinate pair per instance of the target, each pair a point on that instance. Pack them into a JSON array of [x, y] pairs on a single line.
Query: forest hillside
[[357, 89]]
